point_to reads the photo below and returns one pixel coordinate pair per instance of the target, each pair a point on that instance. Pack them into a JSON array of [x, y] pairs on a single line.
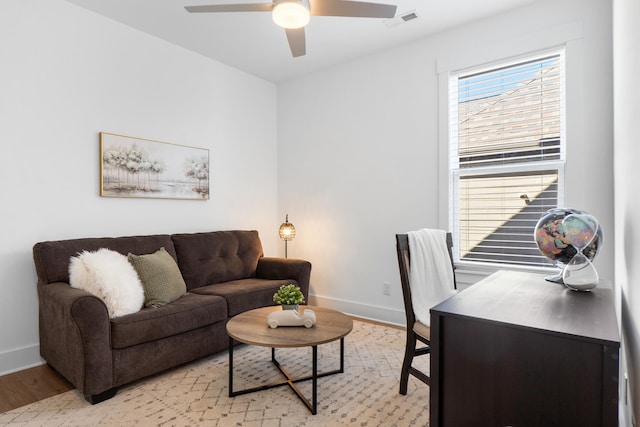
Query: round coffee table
[[251, 328]]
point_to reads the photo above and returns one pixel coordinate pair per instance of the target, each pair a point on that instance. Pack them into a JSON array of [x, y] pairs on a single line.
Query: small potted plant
[[289, 296]]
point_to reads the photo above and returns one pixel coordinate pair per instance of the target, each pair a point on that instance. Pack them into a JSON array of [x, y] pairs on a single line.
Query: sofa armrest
[[75, 336], [286, 268]]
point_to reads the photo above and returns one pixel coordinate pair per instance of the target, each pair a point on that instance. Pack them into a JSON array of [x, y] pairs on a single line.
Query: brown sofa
[[226, 273]]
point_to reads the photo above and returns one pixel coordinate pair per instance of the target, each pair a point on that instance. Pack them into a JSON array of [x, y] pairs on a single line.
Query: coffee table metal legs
[[290, 381]]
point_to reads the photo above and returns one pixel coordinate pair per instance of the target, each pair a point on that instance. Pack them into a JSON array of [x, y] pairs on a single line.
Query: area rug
[[196, 394]]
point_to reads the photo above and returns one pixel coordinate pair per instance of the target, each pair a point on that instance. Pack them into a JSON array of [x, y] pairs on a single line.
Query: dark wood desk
[[516, 350]]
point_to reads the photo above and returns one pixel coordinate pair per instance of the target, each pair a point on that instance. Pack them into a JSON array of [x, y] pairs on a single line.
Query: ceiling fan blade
[[296, 41], [352, 9], [247, 7]]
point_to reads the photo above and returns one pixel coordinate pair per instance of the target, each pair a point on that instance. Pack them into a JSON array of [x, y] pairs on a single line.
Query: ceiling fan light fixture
[[290, 14]]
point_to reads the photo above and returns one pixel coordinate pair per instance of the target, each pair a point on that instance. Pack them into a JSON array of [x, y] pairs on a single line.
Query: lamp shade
[[287, 230], [290, 14]]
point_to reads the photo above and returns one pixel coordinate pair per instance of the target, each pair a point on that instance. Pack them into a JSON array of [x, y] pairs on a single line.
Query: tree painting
[[198, 170], [135, 167]]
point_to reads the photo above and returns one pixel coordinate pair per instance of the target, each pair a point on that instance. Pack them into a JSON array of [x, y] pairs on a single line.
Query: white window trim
[[569, 36]]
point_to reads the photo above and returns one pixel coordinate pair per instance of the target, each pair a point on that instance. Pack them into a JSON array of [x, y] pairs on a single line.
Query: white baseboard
[[21, 358], [365, 311]]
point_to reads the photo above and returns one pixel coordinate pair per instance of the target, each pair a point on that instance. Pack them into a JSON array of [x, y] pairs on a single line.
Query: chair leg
[[409, 352]]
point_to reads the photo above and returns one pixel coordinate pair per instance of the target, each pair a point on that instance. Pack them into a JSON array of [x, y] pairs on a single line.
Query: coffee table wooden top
[[251, 327]]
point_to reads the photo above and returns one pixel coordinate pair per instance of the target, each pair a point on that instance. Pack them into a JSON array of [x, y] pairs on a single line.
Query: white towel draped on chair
[[431, 275]]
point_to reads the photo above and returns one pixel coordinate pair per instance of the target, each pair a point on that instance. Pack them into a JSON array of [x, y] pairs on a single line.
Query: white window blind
[[507, 157]]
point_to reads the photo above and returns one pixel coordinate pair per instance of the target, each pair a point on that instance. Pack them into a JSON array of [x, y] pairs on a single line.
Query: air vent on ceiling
[[408, 16], [401, 18]]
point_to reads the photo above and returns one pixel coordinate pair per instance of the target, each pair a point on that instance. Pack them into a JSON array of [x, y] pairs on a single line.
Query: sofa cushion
[[245, 294], [160, 276], [149, 324], [52, 258], [219, 256]]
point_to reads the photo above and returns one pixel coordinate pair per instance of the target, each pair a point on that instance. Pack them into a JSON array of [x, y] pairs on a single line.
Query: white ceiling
[[251, 42]]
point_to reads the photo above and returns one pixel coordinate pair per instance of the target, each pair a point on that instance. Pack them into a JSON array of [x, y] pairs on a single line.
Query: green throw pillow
[[160, 277]]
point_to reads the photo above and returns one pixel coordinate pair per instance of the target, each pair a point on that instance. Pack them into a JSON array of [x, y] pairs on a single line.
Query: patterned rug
[[196, 394]]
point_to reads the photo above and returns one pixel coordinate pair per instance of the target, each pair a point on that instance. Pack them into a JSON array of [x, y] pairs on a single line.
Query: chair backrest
[[404, 262]]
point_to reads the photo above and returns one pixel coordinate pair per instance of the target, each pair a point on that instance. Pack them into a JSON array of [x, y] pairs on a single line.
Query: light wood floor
[[30, 385]]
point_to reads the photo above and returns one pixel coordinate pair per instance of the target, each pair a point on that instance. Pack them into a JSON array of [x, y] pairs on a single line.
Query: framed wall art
[[137, 167]]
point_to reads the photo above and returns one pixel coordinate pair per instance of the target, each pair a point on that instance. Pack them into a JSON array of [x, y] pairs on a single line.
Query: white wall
[[627, 176], [359, 154], [356, 158], [67, 74]]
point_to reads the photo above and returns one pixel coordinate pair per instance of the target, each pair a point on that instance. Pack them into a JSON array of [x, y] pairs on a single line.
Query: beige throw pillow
[[160, 277]]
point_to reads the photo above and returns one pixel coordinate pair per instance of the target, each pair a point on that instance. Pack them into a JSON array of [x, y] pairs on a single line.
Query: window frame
[[463, 56], [456, 173]]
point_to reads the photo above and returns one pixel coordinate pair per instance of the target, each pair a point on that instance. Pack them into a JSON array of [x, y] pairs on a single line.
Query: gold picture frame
[[144, 168]]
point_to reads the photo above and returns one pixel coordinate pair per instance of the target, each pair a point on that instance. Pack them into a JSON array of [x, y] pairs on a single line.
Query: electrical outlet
[[386, 288]]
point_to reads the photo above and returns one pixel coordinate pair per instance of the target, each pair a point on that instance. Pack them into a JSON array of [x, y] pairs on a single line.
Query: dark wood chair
[[416, 331]]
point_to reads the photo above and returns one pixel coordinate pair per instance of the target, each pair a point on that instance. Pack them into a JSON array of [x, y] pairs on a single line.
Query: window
[[507, 156]]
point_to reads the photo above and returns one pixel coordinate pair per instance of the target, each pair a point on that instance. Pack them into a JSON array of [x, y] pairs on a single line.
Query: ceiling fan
[[293, 15]]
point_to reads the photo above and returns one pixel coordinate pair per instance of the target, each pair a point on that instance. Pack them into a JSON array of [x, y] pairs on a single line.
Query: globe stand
[[570, 238], [557, 278]]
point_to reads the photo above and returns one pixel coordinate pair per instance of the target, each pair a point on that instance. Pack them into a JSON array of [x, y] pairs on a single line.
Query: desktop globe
[[571, 239]]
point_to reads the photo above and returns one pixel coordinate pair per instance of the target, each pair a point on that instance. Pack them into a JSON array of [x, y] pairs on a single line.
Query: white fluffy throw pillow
[[108, 275]]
